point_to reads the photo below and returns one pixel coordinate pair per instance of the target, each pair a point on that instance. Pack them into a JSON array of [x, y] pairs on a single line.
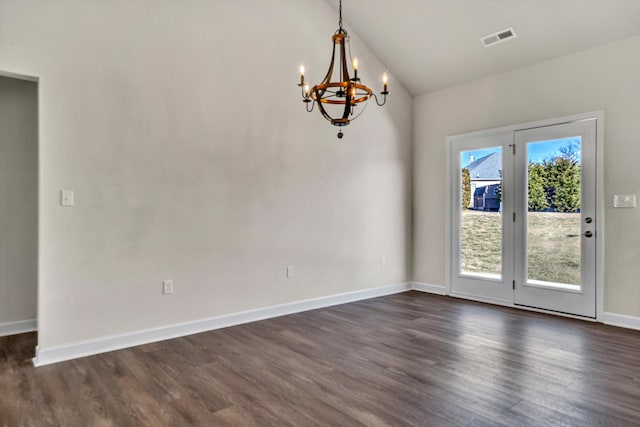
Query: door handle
[[588, 234]]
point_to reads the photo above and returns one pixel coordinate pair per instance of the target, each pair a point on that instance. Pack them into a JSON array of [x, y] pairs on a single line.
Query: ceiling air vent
[[499, 37]]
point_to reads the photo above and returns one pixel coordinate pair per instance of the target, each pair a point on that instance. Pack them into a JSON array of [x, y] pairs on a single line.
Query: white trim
[[429, 288], [19, 327], [599, 114], [600, 210], [31, 325], [45, 356], [448, 235], [621, 320]]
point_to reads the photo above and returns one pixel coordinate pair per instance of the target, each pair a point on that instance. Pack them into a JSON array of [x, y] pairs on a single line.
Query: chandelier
[[339, 98]]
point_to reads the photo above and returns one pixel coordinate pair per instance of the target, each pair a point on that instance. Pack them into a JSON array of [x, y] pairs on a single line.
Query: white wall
[[180, 128], [604, 78], [18, 200]]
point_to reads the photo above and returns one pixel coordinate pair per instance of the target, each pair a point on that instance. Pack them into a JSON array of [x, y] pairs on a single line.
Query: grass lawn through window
[[553, 245]]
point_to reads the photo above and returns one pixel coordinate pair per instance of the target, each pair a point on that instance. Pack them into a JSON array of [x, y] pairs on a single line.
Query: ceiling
[[433, 44]]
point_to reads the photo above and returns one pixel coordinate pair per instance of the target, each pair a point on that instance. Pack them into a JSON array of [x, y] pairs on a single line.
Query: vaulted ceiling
[[433, 44]]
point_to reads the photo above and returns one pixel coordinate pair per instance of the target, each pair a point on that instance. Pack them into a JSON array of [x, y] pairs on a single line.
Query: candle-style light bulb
[[355, 69], [385, 80], [301, 74], [306, 90]]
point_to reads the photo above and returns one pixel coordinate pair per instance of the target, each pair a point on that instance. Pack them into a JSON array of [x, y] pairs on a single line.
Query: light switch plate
[[289, 271], [167, 287], [624, 201], [66, 197]]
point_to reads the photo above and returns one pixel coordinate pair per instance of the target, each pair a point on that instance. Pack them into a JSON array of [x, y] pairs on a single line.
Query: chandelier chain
[[340, 21]]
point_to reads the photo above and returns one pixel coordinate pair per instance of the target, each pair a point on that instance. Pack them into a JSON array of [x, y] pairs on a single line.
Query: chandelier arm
[[384, 99], [313, 103]]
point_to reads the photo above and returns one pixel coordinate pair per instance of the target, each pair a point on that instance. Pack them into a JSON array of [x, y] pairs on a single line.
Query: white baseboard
[[428, 287], [19, 327], [622, 320], [45, 356]]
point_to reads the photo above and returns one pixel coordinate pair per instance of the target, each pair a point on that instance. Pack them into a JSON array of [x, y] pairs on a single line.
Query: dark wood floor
[[411, 359]]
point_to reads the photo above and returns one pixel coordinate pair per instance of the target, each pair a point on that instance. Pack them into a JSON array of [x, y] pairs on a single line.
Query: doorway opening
[[19, 189]]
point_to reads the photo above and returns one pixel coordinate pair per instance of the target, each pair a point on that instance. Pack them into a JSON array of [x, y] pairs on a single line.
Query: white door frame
[[19, 76], [599, 210]]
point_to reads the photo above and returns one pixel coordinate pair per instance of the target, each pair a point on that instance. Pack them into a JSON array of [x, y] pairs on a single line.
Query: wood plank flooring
[[410, 359]]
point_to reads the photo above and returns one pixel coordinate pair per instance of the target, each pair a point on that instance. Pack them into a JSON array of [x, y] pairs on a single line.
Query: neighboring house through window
[[485, 174]]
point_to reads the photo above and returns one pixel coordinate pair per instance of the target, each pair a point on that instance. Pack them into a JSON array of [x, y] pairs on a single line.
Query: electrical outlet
[[66, 198], [289, 271], [167, 287]]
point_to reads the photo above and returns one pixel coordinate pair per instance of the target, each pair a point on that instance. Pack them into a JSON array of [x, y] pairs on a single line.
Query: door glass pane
[[553, 217], [481, 216]]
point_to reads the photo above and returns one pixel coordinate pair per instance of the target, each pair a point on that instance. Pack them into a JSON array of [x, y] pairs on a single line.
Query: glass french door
[[555, 202], [523, 217], [482, 233]]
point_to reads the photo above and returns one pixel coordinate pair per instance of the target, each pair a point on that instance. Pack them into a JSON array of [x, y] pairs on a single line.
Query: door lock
[[588, 220], [588, 234]]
